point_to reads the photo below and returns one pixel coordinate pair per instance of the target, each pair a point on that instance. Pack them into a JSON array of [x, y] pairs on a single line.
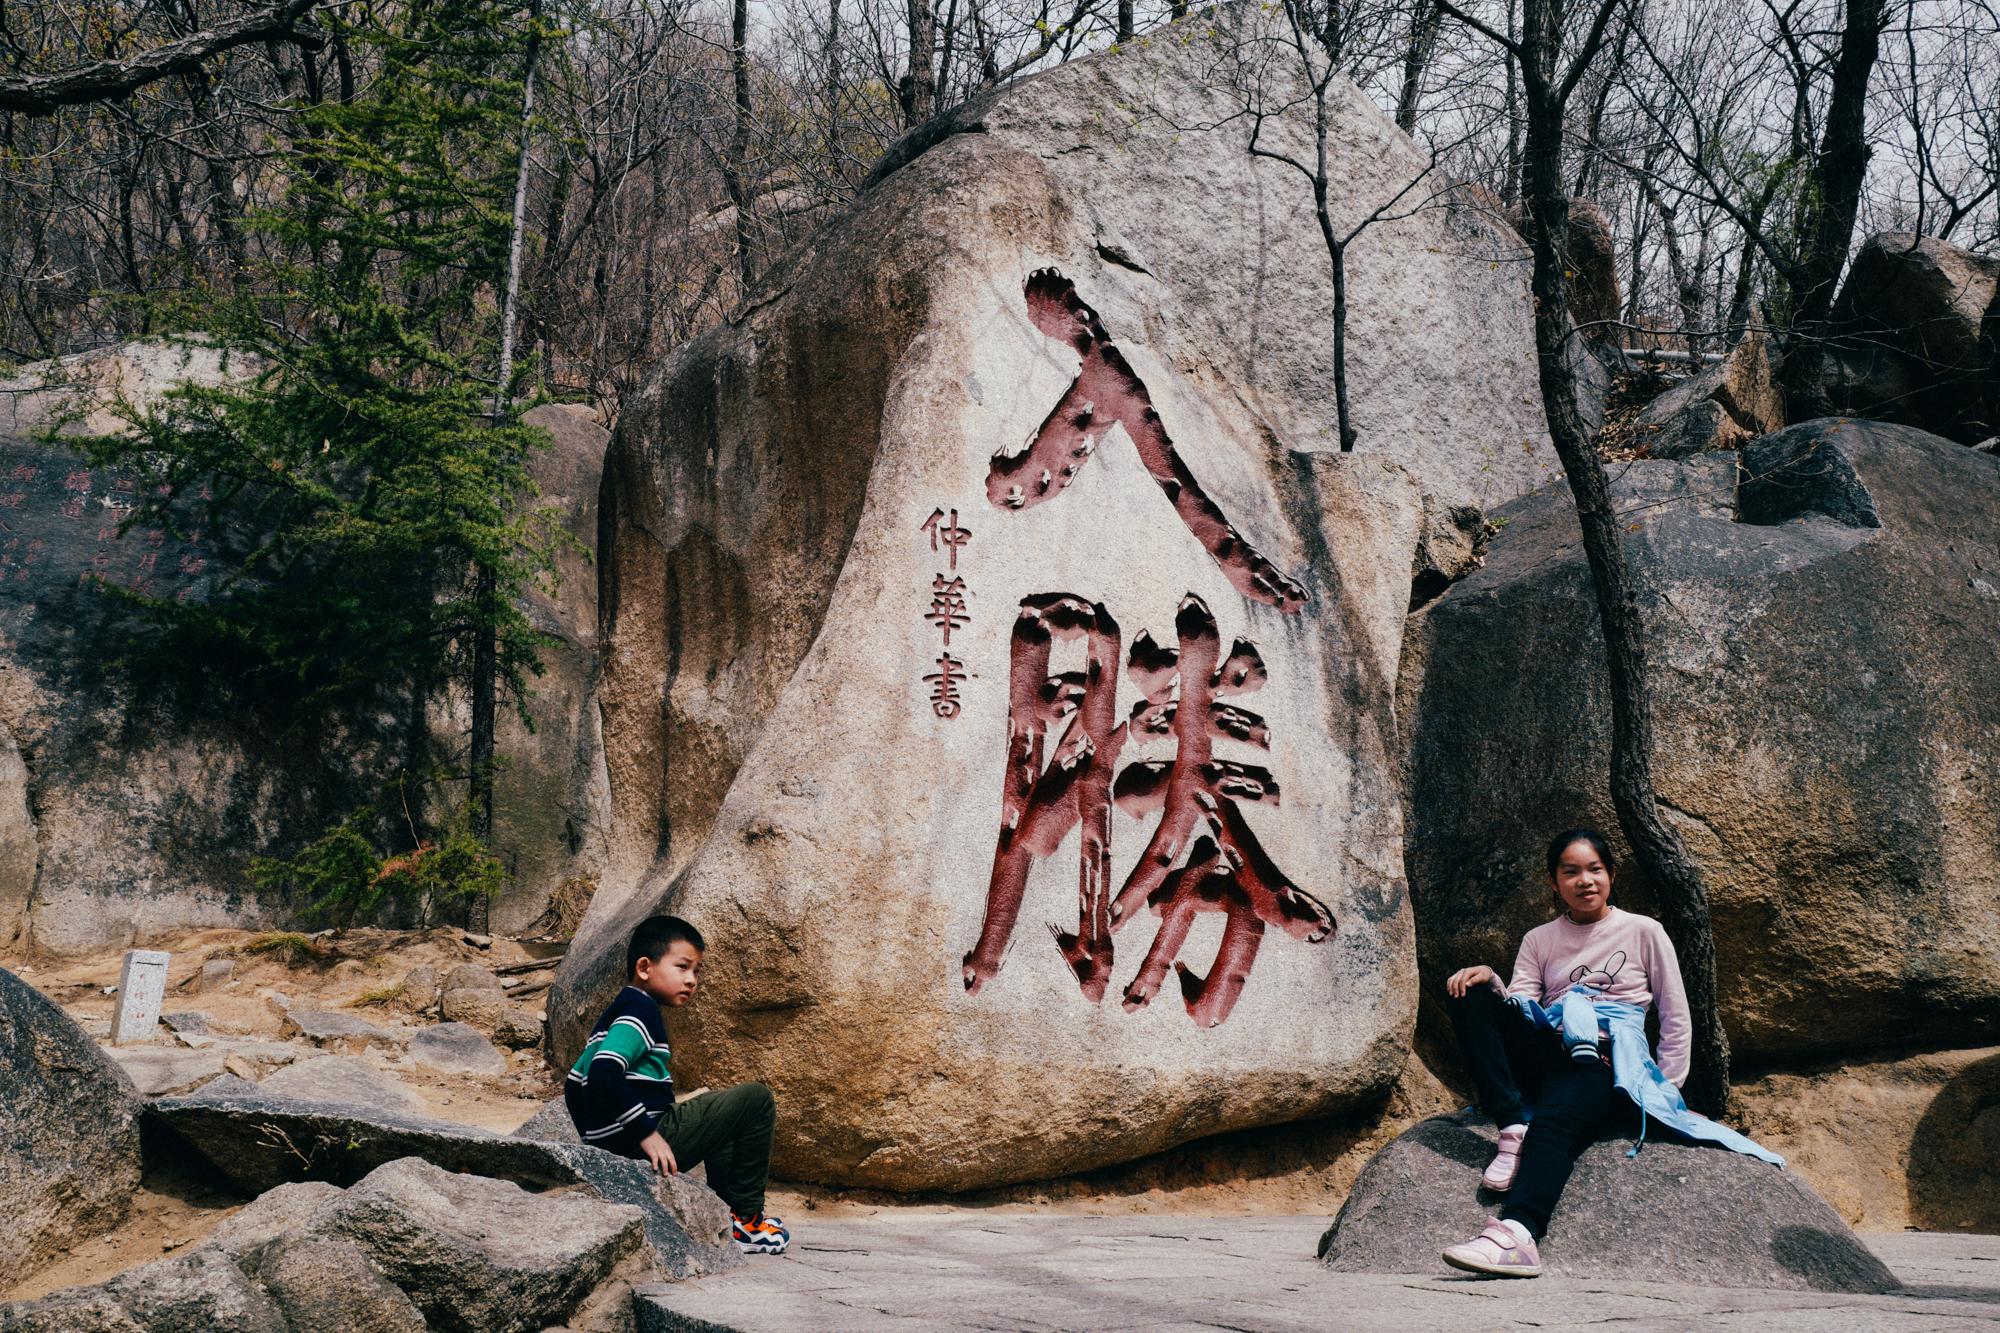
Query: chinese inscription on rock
[[1065, 737]]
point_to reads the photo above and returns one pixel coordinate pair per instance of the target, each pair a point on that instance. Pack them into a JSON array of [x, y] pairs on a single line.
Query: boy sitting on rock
[[621, 1095]]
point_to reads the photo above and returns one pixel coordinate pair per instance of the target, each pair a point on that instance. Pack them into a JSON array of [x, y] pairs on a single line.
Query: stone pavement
[[967, 1271]]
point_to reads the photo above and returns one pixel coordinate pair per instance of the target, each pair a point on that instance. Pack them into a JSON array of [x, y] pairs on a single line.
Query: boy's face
[[672, 977]]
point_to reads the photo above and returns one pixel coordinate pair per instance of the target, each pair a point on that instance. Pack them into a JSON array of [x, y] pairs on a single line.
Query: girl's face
[[1583, 882]]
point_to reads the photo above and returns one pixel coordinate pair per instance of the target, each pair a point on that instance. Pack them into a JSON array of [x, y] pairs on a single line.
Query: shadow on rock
[[1955, 1155]]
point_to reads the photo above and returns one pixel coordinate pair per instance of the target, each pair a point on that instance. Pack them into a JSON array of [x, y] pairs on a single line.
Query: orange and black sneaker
[[762, 1234]]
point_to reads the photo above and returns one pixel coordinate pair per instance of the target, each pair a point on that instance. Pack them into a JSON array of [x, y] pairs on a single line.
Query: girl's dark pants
[[730, 1130], [1504, 1049]]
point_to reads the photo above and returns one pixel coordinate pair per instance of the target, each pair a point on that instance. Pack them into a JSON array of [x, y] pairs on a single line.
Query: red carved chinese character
[[945, 532], [1105, 393], [148, 560], [1202, 857], [944, 685], [155, 536], [14, 499], [73, 507], [77, 481], [192, 564], [948, 609], [26, 472], [1040, 804]]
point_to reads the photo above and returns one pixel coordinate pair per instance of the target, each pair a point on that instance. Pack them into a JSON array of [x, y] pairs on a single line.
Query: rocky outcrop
[[280, 1148], [1038, 433], [477, 1255], [1718, 407], [1827, 738], [408, 1247], [69, 1133], [122, 815], [1672, 1214], [1919, 341]]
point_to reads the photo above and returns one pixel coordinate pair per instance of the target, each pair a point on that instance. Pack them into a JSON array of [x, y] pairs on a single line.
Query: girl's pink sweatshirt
[[1625, 956]]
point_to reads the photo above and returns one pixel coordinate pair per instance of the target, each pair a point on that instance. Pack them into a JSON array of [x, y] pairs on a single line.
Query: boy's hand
[[659, 1154]]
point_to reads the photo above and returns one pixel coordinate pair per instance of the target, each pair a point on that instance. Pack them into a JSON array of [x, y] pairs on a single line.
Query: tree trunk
[[734, 165], [485, 583], [919, 91], [1124, 20], [1424, 26], [1832, 199], [1656, 847]]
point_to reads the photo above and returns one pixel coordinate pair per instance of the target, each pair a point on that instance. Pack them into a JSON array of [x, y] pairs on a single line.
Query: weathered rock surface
[[1672, 1214], [472, 1007], [1910, 1143], [327, 1285], [1920, 340], [339, 1078], [157, 1069], [517, 1028], [69, 1133], [78, 1310], [479, 1255], [201, 1292], [82, 394], [1828, 741], [551, 1124], [1718, 407], [551, 804], [1064, 260], [282, 1209], [124, 816], [261, 1143], [336, 1031], [457, 1048], [19, 847], [421, 991]]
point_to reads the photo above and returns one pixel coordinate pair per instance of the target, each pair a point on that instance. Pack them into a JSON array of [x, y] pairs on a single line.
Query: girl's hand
[[658, 1153], [1466, 978]]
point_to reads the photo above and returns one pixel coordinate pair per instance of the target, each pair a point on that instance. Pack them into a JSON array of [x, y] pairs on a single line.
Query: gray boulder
[[74, 1310], [325, 1284], [157, 1069], [1919, 342], [69, 1133], [458, 1048], [1828, 737], [341, 1078], [260, 1142], [479, 1255], [201, 1292], [269, 1216], [551, 1124], [1673, 1214], [335, 1031]]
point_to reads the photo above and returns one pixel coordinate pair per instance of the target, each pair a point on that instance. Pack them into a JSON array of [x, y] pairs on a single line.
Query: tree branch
[[110, 80]]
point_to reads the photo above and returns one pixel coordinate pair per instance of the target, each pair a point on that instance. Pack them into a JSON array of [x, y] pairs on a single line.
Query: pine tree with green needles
[[369, 472]]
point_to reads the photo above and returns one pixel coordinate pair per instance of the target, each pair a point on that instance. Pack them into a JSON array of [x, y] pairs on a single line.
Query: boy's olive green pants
[[731, 1131]]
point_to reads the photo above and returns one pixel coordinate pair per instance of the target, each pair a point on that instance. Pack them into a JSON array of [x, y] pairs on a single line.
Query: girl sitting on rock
[[1572, 1020]]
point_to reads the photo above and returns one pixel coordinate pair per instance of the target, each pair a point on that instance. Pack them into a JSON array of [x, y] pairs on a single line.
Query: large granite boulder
[[286, 1150], [1673, 1214], [1034, 437], [1919, 343], [69, 1133], [477, 1255], [124, 813], [1828, 738]]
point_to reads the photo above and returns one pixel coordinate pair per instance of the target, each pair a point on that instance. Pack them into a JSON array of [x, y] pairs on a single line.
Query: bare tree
[[1554, 50]]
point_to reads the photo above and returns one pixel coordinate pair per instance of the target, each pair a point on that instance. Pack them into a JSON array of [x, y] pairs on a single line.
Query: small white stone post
[[142, 987]]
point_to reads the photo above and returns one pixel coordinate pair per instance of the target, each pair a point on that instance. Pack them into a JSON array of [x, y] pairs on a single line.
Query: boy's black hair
[[657, 934]]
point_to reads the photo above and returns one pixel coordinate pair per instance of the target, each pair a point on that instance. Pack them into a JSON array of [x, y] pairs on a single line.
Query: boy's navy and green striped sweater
[[620, 1085]]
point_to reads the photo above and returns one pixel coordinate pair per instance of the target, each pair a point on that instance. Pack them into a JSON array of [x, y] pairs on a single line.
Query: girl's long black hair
[[1561, 843]]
